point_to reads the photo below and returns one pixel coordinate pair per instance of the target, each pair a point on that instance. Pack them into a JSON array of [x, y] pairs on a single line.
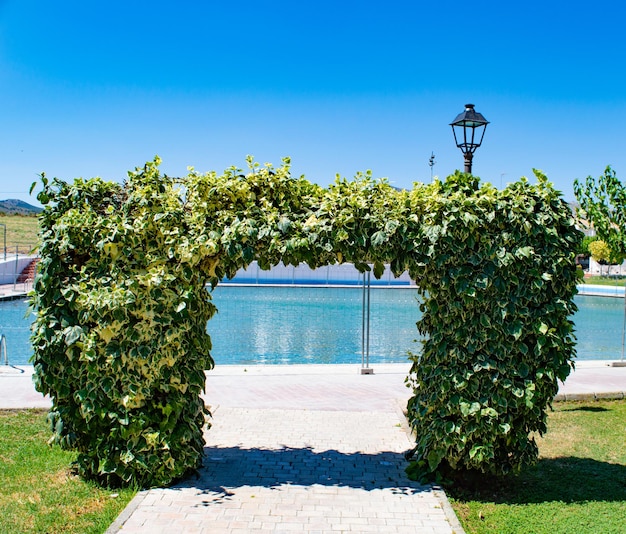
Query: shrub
[[498, 279], [120, 332]]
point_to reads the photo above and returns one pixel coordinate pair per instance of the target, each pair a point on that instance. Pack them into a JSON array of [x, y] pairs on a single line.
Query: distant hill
[[13, 206]]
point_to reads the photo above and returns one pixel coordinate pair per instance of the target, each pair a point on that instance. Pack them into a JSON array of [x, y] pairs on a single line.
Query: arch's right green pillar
[[497, 277]]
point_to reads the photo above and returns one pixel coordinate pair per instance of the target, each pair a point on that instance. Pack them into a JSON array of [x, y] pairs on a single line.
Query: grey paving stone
[[273, 470]]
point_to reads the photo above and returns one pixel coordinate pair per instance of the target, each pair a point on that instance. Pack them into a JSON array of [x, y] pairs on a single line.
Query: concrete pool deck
[[320, 387], [15, 291], [304, 448]]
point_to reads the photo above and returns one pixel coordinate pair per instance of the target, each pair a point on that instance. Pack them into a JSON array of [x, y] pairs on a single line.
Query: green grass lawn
[[39, 492], [605, 281], [21, 233], [577, 487]]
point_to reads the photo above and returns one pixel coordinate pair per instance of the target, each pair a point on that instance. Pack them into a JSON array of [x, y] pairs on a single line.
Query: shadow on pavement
[[227, 468]]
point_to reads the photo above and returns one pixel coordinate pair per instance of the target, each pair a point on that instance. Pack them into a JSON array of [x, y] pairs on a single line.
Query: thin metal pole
[[624, 327], [3, 345], [431, 163], [468, 156], [15, 273], [5, 240], [367, 352], [363, 326]]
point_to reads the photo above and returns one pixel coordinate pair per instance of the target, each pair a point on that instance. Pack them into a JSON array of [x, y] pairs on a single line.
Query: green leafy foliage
[[603, 254], [498, 279], [120, 334], [584, 246], [269, 216], [603, 205]]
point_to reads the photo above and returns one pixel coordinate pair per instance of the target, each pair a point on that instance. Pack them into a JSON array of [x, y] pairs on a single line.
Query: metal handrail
[[3, 350], [3, 346]]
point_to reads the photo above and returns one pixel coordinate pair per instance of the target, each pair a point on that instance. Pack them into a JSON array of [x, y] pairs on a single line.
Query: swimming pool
[[289, 325]]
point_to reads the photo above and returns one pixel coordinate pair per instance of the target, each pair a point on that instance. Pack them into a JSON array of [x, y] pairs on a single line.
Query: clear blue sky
[[98, 88]]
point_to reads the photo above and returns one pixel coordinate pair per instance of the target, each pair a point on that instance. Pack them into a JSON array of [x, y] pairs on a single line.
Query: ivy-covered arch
[[120, 336]]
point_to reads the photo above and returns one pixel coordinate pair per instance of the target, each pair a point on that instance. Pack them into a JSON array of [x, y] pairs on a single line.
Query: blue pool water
[[15, 320], [278, 325], [311, 325]]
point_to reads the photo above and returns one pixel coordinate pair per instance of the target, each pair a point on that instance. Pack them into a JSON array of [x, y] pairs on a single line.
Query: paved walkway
[[296, 471], [315, 448]]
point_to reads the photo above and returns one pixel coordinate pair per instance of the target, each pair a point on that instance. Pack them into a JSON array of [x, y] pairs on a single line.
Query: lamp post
[[471, 127]]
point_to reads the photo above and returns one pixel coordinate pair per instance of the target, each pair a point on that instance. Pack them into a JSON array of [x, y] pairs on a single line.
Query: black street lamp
[[472, 125]]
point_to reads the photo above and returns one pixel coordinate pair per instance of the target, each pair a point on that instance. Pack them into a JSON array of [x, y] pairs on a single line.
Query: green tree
[[603, 206], [600, 252], [603, 254], [584, 246]]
